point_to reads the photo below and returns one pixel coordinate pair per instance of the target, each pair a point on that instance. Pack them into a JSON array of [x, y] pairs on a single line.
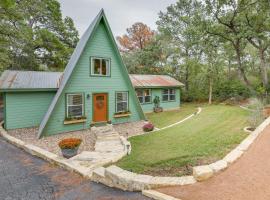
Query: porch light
[[88, 96]]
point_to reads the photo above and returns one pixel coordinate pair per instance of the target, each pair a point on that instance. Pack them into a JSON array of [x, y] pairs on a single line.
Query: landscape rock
[[218, 166], [202, 172], [233, 156]]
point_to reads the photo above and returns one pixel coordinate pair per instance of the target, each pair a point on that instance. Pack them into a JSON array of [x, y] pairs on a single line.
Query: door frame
[[93, 107]]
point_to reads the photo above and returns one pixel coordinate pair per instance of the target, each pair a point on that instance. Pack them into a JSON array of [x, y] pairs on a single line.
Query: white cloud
[[121, 14]]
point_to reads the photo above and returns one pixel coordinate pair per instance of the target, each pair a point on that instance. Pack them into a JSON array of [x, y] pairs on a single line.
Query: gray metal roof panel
[[29, 80]]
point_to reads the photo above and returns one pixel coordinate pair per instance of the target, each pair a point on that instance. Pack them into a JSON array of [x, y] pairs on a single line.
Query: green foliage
[[34, 36], [226, 89]]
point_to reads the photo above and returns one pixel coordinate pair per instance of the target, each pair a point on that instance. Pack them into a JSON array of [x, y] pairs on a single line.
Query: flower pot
[[68, 153], [158, 109]]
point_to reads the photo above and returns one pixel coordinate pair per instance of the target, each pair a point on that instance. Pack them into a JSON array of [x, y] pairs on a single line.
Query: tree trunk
[[186, 79], [229, 69], [210, 91], [241, 71], [263, 70]]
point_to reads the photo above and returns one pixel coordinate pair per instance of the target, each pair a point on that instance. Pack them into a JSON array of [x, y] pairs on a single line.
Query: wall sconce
[[88, 96]]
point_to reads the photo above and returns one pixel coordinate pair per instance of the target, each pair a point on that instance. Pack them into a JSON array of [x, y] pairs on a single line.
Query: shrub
[[229, 89], [256, 116], [70, 143], [148, 127]]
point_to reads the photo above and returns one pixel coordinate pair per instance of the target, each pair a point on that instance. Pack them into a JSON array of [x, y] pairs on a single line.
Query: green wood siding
[[148, 107], [99, 45], [26, 109]]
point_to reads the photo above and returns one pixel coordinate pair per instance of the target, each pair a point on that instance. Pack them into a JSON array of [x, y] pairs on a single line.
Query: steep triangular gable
[[73, 61]]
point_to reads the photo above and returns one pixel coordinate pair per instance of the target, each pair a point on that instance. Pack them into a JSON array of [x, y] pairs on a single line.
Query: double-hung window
[[100, 66], [75, 105], [144, 95], [168, 95], [121, 102]]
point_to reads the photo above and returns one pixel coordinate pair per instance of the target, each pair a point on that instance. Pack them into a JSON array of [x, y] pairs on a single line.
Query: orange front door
[[100, 107]]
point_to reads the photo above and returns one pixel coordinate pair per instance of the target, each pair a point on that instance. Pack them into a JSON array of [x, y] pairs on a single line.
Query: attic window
[[100, 66]]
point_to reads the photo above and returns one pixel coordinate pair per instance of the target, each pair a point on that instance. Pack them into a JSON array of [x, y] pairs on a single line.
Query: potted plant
[[69, 146], [148, 127], [157, 108]]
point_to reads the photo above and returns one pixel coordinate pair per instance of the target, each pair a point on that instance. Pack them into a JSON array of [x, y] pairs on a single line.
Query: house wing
[[73, 61]]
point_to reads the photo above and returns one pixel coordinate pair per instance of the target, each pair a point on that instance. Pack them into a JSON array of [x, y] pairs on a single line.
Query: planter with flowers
[[69, 147], [148, 127]]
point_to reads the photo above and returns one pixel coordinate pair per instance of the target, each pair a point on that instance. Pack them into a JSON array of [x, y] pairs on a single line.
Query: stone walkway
[[247, 179], [109, 148]]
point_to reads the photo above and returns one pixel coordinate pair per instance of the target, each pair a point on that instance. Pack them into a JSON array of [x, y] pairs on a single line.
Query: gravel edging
[[114, 176]]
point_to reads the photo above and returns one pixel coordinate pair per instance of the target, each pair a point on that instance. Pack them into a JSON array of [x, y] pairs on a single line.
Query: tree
[[137, 37], [34, 35], [225, 22], [256, 26], [180, 22]]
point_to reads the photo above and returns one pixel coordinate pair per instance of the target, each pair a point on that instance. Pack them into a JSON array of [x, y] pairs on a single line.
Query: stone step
[[108, 143], [108, 136], [98, 176], [102, 129], [109, 148], [112, 133]]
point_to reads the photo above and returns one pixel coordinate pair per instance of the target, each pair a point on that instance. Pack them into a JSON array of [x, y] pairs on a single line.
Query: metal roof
[[153, 81], [16, 80]]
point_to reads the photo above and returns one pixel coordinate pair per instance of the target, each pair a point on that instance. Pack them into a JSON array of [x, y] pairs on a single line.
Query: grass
[[203, 139], [169, 117]]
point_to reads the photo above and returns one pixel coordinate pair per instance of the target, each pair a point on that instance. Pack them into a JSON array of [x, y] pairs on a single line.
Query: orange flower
[[70, 143]]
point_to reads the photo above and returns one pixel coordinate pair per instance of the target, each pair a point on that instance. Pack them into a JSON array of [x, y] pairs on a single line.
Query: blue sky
[[120, 13]]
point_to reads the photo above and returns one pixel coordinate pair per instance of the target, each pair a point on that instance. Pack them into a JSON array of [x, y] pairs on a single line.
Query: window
[[100, 67], [144, 95], [75, 107], [168, 95], [121, 102]]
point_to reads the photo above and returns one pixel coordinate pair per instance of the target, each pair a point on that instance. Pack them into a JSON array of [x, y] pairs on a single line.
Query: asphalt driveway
[[25, 177]]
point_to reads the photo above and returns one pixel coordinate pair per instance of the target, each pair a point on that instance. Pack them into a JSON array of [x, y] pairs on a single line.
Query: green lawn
[[169, 117], [202, 139]]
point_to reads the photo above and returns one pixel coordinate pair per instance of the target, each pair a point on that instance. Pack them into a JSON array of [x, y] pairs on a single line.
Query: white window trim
[[108, 68], [169, 94], [143, 96], [67, 105], [116, 102]]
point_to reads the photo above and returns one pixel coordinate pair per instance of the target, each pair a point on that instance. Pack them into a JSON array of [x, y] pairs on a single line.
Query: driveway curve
[[246, 179], [25, 177]]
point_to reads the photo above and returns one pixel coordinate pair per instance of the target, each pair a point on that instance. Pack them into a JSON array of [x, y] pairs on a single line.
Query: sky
[[121, 14]]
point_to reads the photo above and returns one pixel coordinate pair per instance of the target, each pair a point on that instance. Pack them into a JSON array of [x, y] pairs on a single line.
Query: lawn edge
[[114, 176]]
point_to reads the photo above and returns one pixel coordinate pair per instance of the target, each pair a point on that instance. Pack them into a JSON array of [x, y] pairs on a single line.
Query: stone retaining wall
[[114, 176]]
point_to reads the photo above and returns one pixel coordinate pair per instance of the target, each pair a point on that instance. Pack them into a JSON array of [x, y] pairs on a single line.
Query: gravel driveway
[[25, 177], [247, 179]]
